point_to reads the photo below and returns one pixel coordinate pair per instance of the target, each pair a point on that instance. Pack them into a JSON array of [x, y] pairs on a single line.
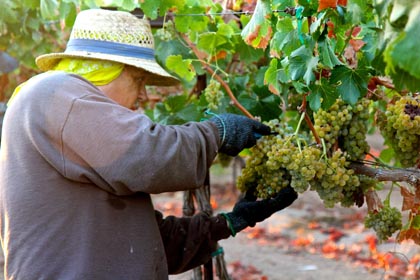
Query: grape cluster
[[384, 222], [280, 160], [167, 32], [329, 123], [353, 136], [266, 175], [292, 159], [400, 126], [345, 126], [213, 94], [336, 181]]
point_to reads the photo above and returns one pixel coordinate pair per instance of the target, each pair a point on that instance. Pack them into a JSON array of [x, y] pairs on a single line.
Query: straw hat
[[115, 36]]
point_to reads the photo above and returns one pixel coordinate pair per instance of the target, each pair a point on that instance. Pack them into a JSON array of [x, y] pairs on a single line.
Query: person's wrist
[[229, 223]]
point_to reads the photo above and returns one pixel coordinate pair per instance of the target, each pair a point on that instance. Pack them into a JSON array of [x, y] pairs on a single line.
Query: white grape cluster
[[167, 32], [293, 159], [400, 126], [213, 95]]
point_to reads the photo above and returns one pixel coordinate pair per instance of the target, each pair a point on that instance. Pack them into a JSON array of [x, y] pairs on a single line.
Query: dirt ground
[[307, 241]]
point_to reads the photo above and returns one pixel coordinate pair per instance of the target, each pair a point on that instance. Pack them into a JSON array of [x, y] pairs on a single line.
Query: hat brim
[[159, 77]]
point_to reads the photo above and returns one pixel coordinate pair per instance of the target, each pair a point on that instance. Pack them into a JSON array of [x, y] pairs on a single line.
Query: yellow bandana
[[98, 72]]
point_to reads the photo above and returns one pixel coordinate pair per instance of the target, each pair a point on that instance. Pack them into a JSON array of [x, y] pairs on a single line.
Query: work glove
[[248, 211], [238, 132]]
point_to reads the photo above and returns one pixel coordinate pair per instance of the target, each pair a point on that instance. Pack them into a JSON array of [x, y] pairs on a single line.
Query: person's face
[[129, 89]]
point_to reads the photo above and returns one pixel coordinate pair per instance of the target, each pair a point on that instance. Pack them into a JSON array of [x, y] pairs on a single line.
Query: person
[[78, 165]]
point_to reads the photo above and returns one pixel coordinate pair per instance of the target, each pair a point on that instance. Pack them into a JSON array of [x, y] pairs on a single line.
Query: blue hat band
[[112, 48]]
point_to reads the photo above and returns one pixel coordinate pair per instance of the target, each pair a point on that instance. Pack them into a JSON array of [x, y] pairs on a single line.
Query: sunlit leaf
[[182, 67], [257, 32], [271, 79], [210, 41], [49, 9]]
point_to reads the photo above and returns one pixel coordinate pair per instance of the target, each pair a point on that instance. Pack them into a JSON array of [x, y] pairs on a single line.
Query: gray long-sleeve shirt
[[76, 172]]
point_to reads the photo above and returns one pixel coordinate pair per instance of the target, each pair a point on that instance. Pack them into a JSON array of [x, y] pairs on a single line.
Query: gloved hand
[[238, 132], [248, 211]]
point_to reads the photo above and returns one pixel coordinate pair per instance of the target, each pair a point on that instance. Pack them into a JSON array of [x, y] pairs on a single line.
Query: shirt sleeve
[[124, 152], [190, 241]]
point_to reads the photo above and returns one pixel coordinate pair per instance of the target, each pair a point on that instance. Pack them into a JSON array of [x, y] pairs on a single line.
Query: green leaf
[[247, 53], [257, 32], [150, 8], [351, 83], [387, 155], [415, 222], [405, 52], [327, 55], [182, 67], [68, 12], [403, 80], [260, 103], [282, 37], [210, 41], [322, 95], [8, 14], [31, 4], [129, 5], [302, 64], [185, 23], [168, 4], [270, 77], [49, 9]]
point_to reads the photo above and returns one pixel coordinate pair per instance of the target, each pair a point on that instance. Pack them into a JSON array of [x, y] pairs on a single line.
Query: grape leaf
[[351, 83], [405, 52], [182, 67], [184, 23], [247, 53], [257, 32], [150, 8], [49, 9], [210, 41], [302, 64], [327, 55], [271, 77], [322, 95]]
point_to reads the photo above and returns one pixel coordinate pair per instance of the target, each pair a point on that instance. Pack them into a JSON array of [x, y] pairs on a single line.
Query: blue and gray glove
[[248, 211], [238, 132]]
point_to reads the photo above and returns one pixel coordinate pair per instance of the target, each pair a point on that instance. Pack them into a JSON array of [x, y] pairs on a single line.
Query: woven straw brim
[[158, 76]]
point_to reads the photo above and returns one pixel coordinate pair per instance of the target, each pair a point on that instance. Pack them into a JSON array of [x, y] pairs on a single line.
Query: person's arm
[[190, 241]]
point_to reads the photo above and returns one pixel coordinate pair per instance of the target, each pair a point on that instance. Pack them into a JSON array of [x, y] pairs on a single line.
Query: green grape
[[213, 94], [400, 126], [167, 32], [354, 135], [328, 123], [335, 181], [385, 222], [268, 175]]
